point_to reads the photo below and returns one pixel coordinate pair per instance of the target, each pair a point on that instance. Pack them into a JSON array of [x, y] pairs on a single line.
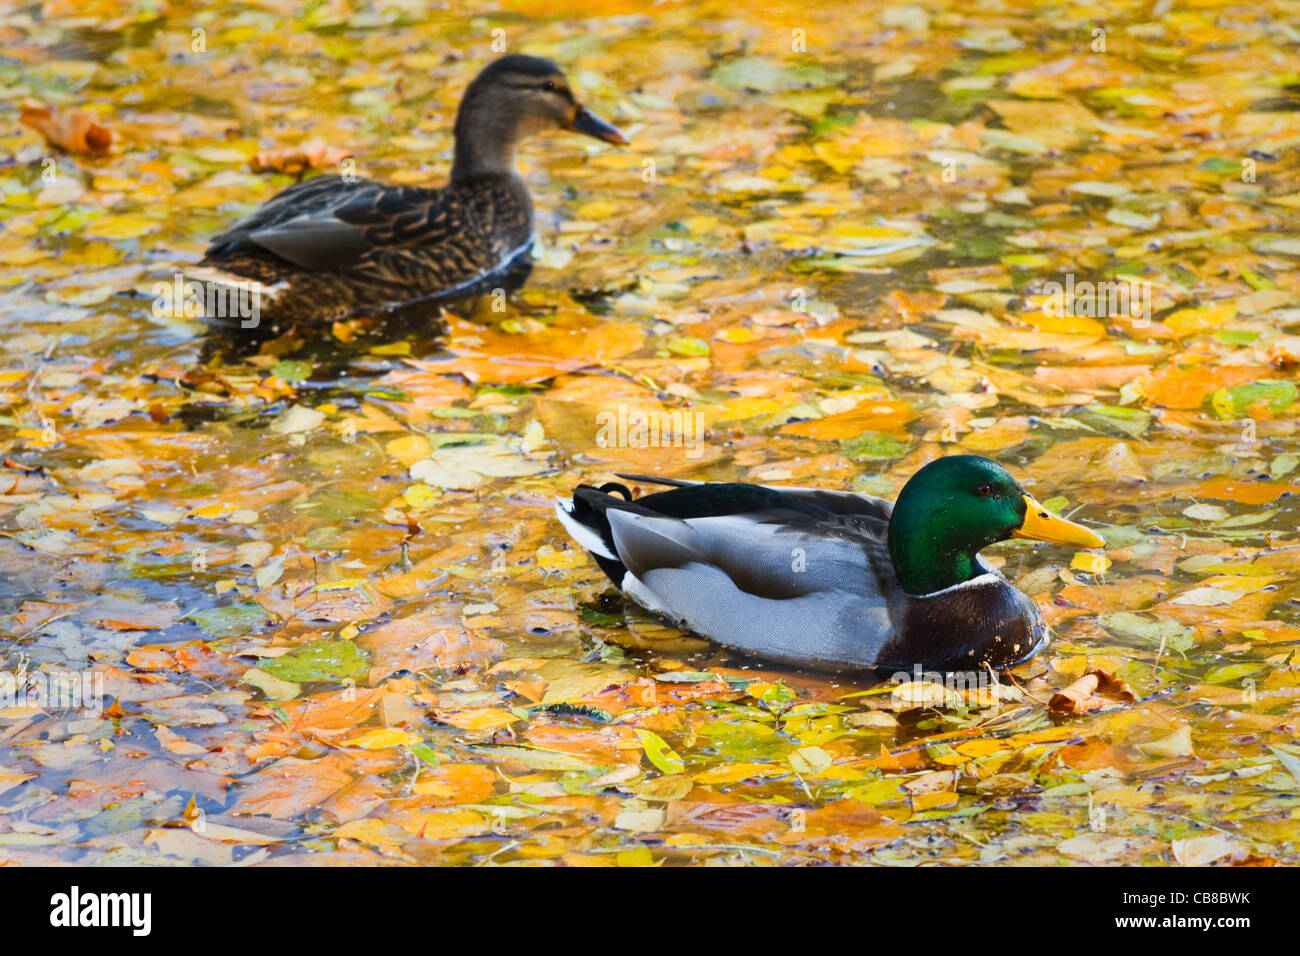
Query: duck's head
[[513, 98], [955, 506]]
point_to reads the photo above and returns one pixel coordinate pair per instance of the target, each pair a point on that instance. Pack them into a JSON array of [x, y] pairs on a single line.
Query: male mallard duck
[[831, 579], [330, 248]]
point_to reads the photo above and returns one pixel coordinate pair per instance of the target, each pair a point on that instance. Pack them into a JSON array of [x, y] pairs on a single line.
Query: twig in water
[[1016, 684]]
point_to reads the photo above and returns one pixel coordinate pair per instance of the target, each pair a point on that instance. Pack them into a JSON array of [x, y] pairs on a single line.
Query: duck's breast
[[984, 622]]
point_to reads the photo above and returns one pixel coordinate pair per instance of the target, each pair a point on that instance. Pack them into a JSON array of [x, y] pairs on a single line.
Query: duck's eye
[[549, 86], [985, 490]]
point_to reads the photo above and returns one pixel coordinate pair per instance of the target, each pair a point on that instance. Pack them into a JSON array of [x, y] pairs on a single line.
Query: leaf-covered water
[[316, 598]]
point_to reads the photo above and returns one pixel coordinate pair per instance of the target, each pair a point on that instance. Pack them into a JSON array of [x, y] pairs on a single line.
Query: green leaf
[[1236, 402], [687, 345], [1236, 336], [320, 661], [1132, 421], [575, 710], [1066, 790], [425, 753], [766, 76], [1220, 164], [600, 618], [1257, 281], [291, 371], [659, 753], [388, 392], [874, 446], [884, 790], [234, 620], [684, 677], [777, 696], [1230, 672], [1175, 635], [972, 811]]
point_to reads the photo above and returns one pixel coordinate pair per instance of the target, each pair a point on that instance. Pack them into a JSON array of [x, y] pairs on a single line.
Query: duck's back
[[332, 248]]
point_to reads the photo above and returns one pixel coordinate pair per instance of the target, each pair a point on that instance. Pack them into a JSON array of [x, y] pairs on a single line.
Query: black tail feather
[[589, 507]]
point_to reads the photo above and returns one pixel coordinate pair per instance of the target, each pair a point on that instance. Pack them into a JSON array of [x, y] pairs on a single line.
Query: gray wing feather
[[314, 241], [752, 585], [828, 627], [643, 542]]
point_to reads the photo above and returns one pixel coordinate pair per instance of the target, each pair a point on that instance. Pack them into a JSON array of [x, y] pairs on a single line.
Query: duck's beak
[[585, 121], [1041, 525]]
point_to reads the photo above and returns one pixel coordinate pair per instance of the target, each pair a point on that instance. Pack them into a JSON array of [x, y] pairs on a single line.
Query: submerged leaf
[[320, 661]]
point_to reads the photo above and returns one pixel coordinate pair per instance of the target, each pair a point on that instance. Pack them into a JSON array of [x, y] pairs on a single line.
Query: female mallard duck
[[333, 247], [831, 579]]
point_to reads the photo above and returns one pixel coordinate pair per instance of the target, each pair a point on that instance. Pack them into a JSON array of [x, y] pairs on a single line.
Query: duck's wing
[[331, 222], [755, 568]]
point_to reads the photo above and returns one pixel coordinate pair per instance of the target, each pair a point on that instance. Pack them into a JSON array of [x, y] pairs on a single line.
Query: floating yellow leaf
[[382, 738], [127, 226]]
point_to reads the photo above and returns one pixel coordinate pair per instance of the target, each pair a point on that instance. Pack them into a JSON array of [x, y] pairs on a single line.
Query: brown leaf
[[77, 131], [296, 160], [1093, 691], [337, 711], [290, 787], [418, 642], [32, 614]]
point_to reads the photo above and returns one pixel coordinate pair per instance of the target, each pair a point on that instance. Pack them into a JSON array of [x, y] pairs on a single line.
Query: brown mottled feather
[[357, 248]]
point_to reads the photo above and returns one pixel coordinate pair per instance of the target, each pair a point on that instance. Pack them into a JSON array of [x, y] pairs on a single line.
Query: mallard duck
[[831, 579], [332, 248]]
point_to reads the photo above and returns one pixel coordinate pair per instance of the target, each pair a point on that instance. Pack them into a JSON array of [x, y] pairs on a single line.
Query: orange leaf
[[151, 659], [914, 306], [298, 159], [341, 710], [124, 625], [1070, 377], [290, 787], [1247, 492], [457, 783], [573, 340], [1093, 691], [1188, 387], [77, 131], [867, 417], [930, 801]]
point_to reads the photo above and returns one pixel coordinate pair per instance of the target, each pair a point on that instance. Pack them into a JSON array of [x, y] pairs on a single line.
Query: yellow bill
[[1041, 525]]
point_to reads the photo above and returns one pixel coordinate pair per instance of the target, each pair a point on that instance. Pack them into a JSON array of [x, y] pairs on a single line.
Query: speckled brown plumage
[[376, 247], [333, 248]]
